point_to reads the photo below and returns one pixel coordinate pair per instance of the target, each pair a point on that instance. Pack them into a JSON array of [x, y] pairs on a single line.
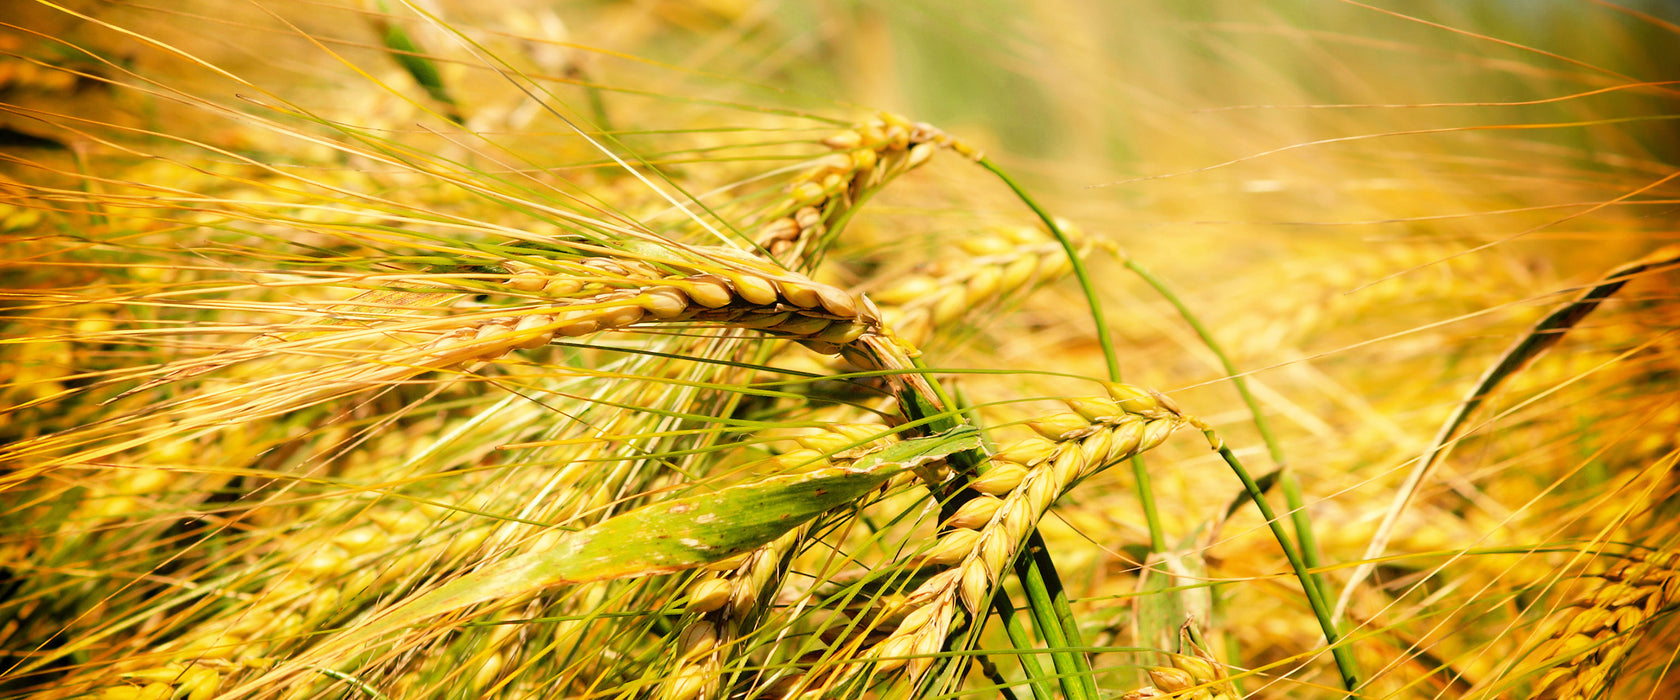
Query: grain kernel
[[919, 154], [527, 330], [694, 684], [983, 246], [1094, 409], [1171, 680], [622, 316], [1200, 670], [841, 333], [495, 326], [984, 283], [908, 289], [1133, 399], [708, 595], [770, 320], [527, 281], [974, 586], [1028, 452], [663, 302], [843, 141], [892, 652], [864, 159], [807, 192], [808, 217], [974, 514], [1060, 426], [709, 291], [802, 295], [1017, 274], [754, 289], [917, 619], [802, 325], [698, 638], [1001, 479], [562, 286], [949, 307], [997, 549], [951, 547], [572, 323], [784, 228]]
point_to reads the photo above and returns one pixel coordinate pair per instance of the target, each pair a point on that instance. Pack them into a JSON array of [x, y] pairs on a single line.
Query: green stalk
[[1024, 649], [1146, 494], [1292, 494], [1048, 602], [1146, 497], [1046, 598], [1104, 340], [352, 681], [1321, 610]]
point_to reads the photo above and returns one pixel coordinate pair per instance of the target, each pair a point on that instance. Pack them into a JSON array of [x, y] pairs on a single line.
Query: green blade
[[671, 536]]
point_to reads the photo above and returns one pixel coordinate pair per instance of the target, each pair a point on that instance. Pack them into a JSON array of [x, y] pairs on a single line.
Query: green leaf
[[671, 536], [407, 53]]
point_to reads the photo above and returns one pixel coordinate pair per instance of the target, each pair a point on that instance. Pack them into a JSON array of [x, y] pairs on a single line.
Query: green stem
[[1091, 300], [1291, 486], [1024, 648], [1046, 598], [1146, 497], [1342, 653], [1048, 602]]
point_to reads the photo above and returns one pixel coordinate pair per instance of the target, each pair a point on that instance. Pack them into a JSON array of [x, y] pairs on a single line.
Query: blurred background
[[1366, 203]]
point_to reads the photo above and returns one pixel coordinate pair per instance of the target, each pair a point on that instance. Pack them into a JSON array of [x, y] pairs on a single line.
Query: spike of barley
[[1023, 494], [1002, 264], [1593, 638]]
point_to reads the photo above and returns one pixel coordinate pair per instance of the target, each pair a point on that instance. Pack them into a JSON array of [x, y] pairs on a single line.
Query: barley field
[[753, 350]]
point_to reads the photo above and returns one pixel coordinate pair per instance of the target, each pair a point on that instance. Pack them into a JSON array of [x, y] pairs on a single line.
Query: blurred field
[[1366, 205]]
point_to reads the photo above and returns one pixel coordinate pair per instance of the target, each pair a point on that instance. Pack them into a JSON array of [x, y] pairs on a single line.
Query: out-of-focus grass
[[1365, 203]]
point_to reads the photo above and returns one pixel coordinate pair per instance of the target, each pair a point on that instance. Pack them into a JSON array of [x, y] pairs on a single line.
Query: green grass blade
[[1343, 654], [670, 536], [1047, 601]]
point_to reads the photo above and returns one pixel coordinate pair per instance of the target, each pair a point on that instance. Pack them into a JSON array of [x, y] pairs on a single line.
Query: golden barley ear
[[1583, 648], [1014, 490]]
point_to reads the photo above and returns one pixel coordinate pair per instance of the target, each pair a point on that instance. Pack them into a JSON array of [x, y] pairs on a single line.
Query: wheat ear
[[1192, 674]]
